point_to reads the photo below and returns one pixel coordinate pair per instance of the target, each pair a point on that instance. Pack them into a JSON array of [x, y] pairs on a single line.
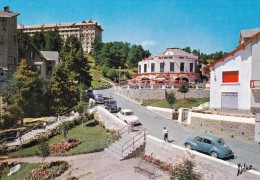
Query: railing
[[123, 130], [255, 84], [134, 141]]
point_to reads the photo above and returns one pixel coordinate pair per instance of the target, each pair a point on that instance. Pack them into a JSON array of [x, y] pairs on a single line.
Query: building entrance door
[[229, 100]]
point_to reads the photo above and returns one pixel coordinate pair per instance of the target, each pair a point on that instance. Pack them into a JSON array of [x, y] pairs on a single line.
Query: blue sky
[[207, 25]]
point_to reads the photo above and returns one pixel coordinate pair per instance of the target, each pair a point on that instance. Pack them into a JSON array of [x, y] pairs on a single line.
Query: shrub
[[49, 170], [185, 169]]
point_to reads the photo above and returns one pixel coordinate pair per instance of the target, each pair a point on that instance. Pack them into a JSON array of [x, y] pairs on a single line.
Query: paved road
[[154, 123]]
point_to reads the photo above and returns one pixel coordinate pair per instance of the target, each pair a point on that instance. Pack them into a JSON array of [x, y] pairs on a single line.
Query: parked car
[[99, 98], [111, 105], [127, 115], [209, 144]]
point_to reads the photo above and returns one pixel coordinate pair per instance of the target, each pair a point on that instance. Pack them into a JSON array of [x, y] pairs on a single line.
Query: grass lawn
[[26, 168], [93, 138], [165, 104], [97, 83]]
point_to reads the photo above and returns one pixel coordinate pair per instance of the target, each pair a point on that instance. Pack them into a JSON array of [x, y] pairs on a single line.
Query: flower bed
[[185, 168], [49, 170], [64, 146]]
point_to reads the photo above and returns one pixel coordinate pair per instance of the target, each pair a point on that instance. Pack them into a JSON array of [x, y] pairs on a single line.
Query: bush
[[185, 169], [49, 170]]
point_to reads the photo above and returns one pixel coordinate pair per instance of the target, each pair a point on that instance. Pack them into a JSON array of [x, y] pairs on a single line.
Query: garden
[[185, 103]]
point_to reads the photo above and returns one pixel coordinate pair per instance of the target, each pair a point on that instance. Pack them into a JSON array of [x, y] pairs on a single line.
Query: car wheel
[[214, 154], [188, 146]]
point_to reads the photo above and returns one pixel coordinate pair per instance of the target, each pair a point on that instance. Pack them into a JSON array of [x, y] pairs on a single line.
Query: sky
[[205, 25]]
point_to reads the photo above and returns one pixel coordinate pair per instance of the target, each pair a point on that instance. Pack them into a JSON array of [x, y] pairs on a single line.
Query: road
[[154, 123]]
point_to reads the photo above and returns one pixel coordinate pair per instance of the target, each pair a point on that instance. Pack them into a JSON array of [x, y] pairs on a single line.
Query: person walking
[[165, 134], [19, 134], [44, 125]]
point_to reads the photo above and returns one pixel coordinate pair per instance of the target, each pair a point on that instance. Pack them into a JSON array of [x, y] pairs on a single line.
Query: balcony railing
[[255, 84]]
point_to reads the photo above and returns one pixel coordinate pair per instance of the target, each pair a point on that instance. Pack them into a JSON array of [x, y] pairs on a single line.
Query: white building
[[171, 65], [235, 78], [86, 31]]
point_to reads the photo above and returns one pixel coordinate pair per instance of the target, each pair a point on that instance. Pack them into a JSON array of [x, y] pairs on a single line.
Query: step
[[113, 154]]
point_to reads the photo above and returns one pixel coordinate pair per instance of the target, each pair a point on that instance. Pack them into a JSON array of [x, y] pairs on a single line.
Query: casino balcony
[[255, 84]]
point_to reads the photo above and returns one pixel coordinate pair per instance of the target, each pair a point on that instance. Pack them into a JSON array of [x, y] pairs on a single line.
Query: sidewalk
[[97, 166]]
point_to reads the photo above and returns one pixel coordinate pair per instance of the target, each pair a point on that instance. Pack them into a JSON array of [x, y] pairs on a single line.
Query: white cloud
[[146, 44]]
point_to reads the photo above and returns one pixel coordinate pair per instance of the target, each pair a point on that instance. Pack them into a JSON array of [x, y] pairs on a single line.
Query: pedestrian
[[165, 134], [19, 135], [44, 125]]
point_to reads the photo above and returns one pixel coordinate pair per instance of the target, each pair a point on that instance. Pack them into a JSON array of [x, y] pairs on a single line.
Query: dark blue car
[[209, 144]]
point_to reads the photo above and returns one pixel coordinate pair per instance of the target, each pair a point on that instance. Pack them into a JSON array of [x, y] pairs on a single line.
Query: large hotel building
[[86, 31]]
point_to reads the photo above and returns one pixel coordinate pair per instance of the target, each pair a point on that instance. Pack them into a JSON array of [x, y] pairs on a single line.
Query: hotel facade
[[170, 66], [86, 31]]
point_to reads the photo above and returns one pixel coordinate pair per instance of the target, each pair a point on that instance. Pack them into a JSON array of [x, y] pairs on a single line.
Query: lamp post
[[119, 77]]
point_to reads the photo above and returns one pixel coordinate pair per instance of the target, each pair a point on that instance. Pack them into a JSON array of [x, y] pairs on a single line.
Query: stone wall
[[237, 130], [211, 168], [159, 94]]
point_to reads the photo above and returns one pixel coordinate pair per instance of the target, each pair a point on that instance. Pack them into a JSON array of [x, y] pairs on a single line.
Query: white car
[[127, 115]]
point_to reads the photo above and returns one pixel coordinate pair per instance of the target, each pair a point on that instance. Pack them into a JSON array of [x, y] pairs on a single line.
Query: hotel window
[[172, 67], [139, 69], [230, 76], [152, 67], [182, 66], [145, 67], [162, 67], [31, 54], [191, 67]]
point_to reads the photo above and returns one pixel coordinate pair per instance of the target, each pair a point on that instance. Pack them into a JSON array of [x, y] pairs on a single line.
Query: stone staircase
[[126, 146]]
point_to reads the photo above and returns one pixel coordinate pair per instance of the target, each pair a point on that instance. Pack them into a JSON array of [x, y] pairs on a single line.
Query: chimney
[[6, 9]]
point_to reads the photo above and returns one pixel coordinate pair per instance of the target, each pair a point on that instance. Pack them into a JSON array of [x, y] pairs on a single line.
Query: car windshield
[[99, 95], [129, 113], [220, 141]]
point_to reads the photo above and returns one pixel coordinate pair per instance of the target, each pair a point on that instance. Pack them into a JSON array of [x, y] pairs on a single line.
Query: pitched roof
[[50, 55], [4, 14], [242, 46]]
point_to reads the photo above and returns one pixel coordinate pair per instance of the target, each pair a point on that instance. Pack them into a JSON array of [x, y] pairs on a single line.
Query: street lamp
[[119, 76]]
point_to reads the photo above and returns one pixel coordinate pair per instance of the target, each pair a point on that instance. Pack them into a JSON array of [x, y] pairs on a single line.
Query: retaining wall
[[229, 126], [160, 94], [211, 168]]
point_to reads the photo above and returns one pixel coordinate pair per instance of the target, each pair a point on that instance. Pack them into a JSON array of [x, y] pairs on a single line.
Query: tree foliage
[[203, 57], [44, 150], [62, 91], [115, 54], [184, 88], [53, 41], [23, 42], [30, 89], [170, 97]]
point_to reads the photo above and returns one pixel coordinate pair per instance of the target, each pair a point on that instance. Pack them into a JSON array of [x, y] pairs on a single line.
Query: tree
[[63, 91], [23, 42], [184, 88], [53, 40], [38, 40], [187, 49], [44, 150], [171, 99], [30, 90], [136, 54], [75, 63]]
